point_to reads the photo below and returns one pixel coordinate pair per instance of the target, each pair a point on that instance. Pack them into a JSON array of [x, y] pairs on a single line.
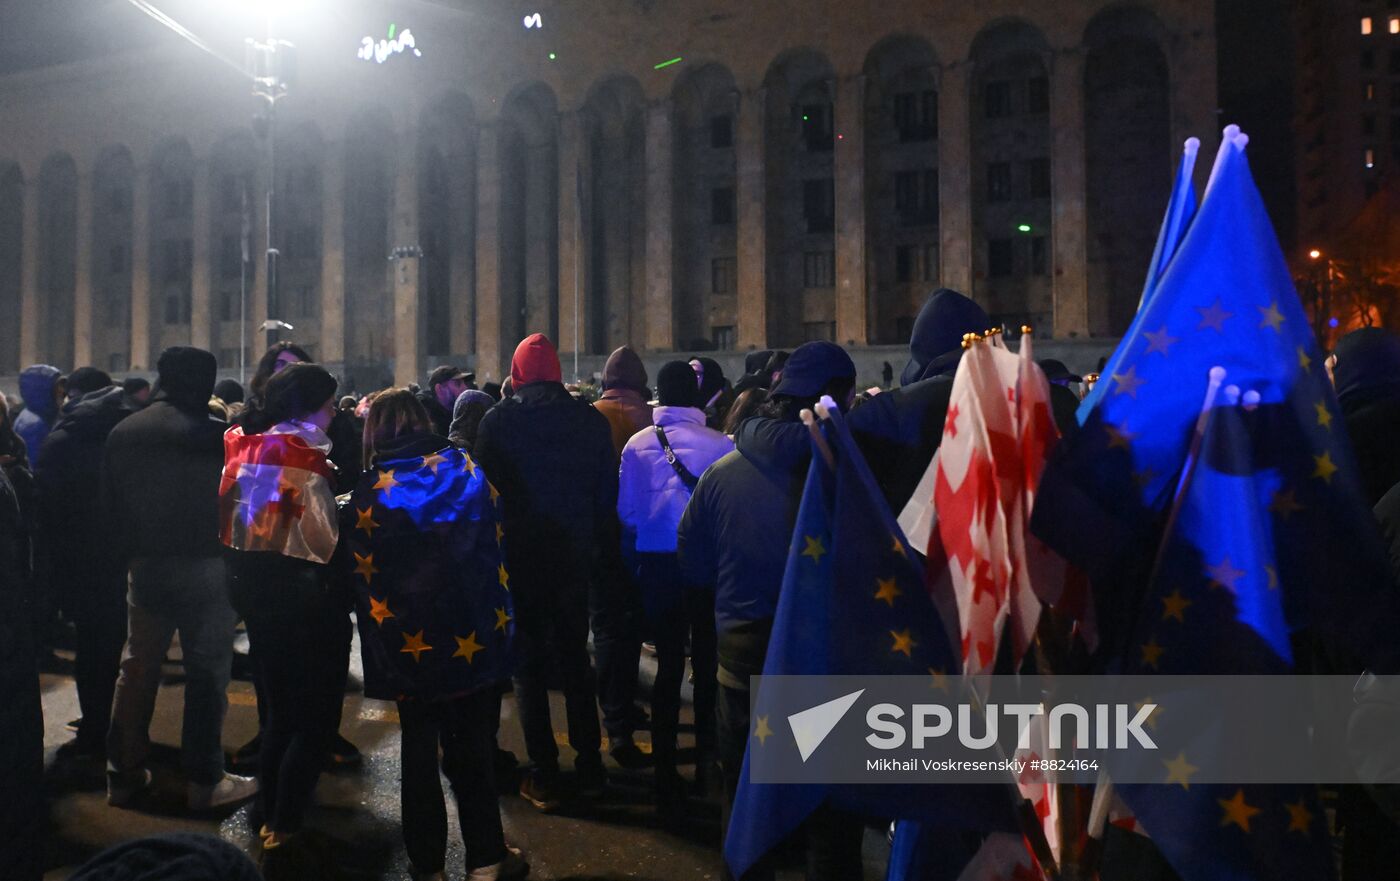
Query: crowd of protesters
[[637, 515]]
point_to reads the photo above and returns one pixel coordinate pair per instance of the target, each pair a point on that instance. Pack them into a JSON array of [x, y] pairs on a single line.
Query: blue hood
[[36, 387], [935, 346]]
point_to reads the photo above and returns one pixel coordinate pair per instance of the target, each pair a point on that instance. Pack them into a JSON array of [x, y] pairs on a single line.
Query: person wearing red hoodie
[[552, 460]]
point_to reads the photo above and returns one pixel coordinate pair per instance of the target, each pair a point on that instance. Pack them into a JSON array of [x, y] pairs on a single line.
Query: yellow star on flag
[[386, 482], [468, 465], [365, 520], [940, 679], [1303, 360], [1224, 574], [1144, 478], [1214, 317], [500, 533], [762, 731], [1161, 341], [495, 493], [1270, 317], [1284, 503], [365, 566], [1324, 416], [1179, 771], [467, 647], [1152, 717], [814, 548], [888, 590], [413, 644], [1128, 383], [501, 618], [503, 576], [1299, 817], [1175, 606], [1273, 577], [1152, 653], [1325, 467], [379, 610], [1118, 436], [903, 642], [1237, 811], [898, 545], [432, 462]]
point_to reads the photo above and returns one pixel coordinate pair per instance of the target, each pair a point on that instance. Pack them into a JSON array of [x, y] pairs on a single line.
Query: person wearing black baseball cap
[[445, 385], [1064, 403], [733, 538]]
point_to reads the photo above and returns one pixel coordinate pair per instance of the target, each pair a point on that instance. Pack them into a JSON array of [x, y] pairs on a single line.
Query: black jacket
[[69, 476], [1372, 419], [161, 482], [440, 415], [734, 537], [551, 458]]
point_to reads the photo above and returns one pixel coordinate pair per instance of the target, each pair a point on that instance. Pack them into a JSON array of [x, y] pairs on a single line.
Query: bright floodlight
[[1314, 253]]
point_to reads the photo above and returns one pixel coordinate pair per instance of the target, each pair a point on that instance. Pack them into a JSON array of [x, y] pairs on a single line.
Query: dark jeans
[[833, 838], [674, 612], [188, 594], [552, 635], [296, 629], [617, 646], [466, 730], [95, 601]]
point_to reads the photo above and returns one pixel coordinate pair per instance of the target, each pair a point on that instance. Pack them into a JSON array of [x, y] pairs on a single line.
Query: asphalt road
[[618, 836]]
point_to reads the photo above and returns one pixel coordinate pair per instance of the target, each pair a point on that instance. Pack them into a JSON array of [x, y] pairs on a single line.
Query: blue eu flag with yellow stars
[[853, 602], [432, 595]]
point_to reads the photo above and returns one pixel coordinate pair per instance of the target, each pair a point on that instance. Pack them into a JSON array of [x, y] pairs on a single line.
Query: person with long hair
[[436, 628], [277, 518]]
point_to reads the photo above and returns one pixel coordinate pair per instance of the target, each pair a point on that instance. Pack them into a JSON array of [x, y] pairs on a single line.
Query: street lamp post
[[271, 63]]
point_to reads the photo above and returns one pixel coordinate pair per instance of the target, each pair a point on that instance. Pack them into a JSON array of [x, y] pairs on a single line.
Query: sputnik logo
[[811, 726]]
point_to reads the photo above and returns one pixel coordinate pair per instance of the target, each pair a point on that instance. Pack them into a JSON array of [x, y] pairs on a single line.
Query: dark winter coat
[[161, 481], [552, 460], [1368, 388], [441, 417]]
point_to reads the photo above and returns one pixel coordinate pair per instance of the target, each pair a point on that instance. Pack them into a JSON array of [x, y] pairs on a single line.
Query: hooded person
[[77, 540], [42, 387], [161, 491], [467, 411], [660, 468], [1367, 378], [229, 391], [624, 398], [551, 458], [716, 394], [83, 382], [733, 539]]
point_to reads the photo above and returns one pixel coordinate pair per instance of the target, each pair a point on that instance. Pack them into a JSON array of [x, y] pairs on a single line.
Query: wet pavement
[[616, 836]]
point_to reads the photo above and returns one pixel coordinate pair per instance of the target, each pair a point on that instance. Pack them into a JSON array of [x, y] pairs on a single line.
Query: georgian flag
[[276, 494]]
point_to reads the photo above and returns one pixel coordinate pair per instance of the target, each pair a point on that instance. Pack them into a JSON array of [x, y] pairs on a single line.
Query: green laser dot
[[676, 60], [552, 56], [392, 27], [1025, 227]]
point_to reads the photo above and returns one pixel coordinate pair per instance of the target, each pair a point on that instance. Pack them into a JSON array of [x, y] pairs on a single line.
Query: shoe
[[245, 758], [627, 754], [124, 787], [649, 648], [591, 778], [639, 718], [540, 790], [74, 725], [230, 790], [344, 754], [512, 868]]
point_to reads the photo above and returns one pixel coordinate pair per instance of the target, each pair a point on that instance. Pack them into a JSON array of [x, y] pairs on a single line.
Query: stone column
[[408, 313], [82, 274], [541, 297], [753, 222], [202, 269], [141, 269], [31, 321], [1069, 218], [660, 227], [462, 268], [573, 236], [852, 289], [955, 179], [488, 255], [332, 343]]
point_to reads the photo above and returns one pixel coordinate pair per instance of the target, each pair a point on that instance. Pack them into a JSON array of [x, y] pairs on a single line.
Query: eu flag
[[1181, 209], [853, 601], [432, 596]]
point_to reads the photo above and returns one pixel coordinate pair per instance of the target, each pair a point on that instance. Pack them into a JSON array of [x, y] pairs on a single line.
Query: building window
[[818, 330], [176, 262], [305, 244], [916, 115], [304, 300], [930, 263], [903, 327], [722, 206], [116, 259], [721, 132], [1393, 25], [230, 256], [904, 263], [116, 310], [819, 204], [1038, 95], [230, 194], [998, 181], [1368, 124], [819, 269], [1366, 26], [116, 362], [722, 275], [1040, 262], [1368, 59], [1368, 91], [916, 197], [228, 357], [1370, 158], [1038, 171], [178, 198], [816, 127], [1000, 263], [1395, 60], [724, 337], [997, 99]]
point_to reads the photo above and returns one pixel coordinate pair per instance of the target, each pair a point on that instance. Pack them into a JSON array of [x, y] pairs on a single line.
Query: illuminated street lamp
[[1314, 254]]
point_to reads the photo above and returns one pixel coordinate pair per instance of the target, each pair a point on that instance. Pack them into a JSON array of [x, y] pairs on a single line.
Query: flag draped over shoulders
[[276, 493], [432, 595]]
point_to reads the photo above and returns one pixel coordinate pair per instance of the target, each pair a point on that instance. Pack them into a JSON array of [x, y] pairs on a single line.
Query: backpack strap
[[690, 480]]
